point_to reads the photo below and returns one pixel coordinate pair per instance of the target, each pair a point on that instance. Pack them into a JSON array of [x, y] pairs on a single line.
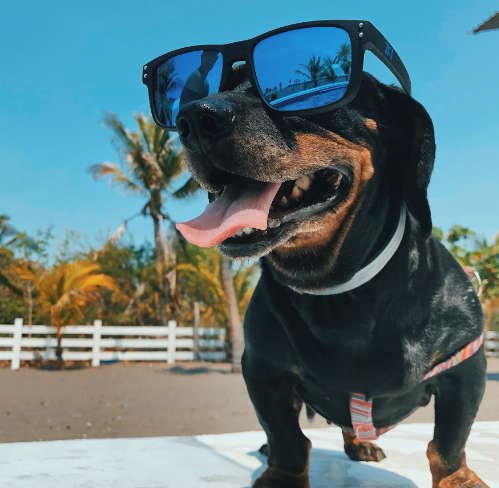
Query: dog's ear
[[412, 161]]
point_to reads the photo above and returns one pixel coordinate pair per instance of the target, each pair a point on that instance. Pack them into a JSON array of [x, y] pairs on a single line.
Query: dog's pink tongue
[[244, 203]]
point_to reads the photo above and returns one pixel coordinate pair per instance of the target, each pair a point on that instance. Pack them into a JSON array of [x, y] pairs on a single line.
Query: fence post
[[172, 325], [96, 343], [197, 355], [16, 346]]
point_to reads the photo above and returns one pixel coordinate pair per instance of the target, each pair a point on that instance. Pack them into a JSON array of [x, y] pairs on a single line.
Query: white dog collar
[[373, 268]]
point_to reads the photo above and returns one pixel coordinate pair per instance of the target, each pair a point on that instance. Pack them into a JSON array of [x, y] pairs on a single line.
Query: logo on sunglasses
[[389, 50]]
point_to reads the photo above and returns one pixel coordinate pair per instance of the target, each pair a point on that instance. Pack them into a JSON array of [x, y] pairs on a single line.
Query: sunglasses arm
[[383, 50]]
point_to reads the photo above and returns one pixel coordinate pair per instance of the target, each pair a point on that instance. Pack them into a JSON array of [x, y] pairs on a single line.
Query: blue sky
[[62, 64]]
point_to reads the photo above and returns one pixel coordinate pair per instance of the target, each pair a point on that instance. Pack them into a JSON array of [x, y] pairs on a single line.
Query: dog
[[348, 180]]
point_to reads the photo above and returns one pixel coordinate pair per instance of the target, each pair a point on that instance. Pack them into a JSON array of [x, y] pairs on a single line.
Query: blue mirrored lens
[[185, 78], [304, 68]]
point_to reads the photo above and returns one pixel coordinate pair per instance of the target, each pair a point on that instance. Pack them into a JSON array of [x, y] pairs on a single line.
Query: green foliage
[[314, 70], [343, 55], [328, 71], [133, 270], [12, 303], [437, 233], [199, 280], [484, 257]]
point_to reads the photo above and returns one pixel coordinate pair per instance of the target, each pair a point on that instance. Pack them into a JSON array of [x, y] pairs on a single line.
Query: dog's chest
[[346, 347]]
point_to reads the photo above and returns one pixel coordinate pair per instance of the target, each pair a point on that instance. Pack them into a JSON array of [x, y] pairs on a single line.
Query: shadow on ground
[[333, 469], [186, 370], [492, 376]]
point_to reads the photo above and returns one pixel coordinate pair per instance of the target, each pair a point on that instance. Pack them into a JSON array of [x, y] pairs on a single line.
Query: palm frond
[[8, 279], [145, 128], [117, 177], [187, 190], [124, 139], [303, 74]]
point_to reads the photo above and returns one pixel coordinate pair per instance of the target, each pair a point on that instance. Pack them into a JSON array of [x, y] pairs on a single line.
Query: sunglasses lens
[[183, 79], [304, 68]]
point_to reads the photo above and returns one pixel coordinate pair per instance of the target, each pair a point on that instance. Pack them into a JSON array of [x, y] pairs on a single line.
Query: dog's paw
[[364, 451], [264, 450], [273, 478], [462, 478]]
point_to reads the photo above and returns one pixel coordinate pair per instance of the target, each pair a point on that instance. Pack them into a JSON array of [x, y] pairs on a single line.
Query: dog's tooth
[[246, 230], [303, 183], [284, 201], [297, 192]]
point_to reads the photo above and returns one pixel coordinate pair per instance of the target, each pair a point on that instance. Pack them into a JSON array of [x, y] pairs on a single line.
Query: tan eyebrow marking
[[371, 124]]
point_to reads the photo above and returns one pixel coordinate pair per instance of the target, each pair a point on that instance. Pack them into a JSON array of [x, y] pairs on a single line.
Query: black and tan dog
[[343, 177]]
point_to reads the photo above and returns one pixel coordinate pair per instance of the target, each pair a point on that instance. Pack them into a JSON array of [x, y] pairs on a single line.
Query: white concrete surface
[[231, 461]]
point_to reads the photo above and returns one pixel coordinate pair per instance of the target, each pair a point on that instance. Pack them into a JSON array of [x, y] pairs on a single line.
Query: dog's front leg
[[458, 394], [272, 394]]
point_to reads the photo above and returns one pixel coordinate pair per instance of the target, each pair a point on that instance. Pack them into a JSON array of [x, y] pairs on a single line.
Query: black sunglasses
[[303, 69]]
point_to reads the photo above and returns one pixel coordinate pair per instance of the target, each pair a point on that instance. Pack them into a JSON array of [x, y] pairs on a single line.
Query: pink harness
[[361, 408]]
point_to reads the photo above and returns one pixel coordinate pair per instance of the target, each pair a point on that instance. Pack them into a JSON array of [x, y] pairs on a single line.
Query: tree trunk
[[160, 270], [197, 354], [236, 328], [170, 259], [30, 304]]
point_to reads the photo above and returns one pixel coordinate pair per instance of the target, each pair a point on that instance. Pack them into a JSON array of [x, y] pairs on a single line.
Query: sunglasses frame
[[363, 36]]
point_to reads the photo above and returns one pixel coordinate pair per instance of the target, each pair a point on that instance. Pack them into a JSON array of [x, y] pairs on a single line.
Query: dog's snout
[[204, 122]]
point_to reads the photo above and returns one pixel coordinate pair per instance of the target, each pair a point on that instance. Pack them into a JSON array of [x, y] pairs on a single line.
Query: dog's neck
[[314, 269], [372, 268]]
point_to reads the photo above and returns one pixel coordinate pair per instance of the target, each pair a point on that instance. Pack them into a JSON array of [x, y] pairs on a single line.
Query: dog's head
[[336, 175]]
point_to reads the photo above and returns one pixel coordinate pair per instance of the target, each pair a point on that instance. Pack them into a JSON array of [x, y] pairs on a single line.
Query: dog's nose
[[204, 122]]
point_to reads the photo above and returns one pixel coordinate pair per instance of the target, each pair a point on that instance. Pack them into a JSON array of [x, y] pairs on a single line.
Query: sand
[[144, 400]]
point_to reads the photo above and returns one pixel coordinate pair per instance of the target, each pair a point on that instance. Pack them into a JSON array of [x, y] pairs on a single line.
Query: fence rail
[[170, 343], [492, 344]]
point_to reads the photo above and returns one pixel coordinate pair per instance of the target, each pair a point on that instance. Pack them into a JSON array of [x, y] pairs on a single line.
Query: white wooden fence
[[168, 343], [492, 344]]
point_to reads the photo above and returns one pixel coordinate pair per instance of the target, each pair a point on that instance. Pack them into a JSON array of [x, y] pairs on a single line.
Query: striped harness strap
[[361, 408]]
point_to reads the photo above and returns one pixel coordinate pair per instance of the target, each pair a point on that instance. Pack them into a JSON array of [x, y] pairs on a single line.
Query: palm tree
[[224, 296], [8, 234], [328, 70], [314, 69], [344, 53], [234, 318], [151, 168], [65, 290], [344, 56], [11, 239]]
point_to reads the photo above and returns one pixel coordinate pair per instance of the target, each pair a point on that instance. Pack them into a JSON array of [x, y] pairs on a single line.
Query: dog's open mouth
[[248, 210]]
